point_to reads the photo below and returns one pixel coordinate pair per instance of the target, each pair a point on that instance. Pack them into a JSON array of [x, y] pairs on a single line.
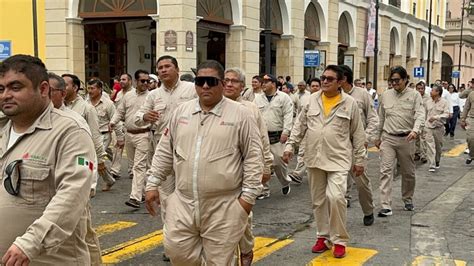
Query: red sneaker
[[339, 251], [320, 246]]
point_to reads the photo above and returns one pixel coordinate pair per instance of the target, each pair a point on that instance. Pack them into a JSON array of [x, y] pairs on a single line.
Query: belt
[[400, 134], [105, 132], [138, 131]]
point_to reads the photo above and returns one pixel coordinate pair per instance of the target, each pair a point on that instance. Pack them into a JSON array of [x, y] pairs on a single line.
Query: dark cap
[[270, 77]]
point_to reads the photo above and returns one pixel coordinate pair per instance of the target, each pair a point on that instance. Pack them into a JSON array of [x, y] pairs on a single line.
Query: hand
[[431, 119], [283, 138], [411, 136], [358, 170], [14, 256], [111, 126], [247, 206], [101, 168], [463, 125], [266, 178], [120, 144], [151, 116], [377, 143], [152, 198], [366, 145], [287, 156]]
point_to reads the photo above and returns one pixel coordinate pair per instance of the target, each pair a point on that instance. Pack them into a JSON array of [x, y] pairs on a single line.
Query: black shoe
[[286, 190], [437, 165], [423, 160], [133, 203], [263, 196], [409, 207], [295, 178], [369, 219], [385, 213], [116, 177], [417, 157], [469, 161], [165, 258], [348, 203]]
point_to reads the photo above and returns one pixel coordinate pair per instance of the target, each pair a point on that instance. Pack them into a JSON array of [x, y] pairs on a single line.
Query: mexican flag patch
[[82, 161]]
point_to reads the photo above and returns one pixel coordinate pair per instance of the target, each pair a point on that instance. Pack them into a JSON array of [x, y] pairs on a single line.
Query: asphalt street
[[439, 232]]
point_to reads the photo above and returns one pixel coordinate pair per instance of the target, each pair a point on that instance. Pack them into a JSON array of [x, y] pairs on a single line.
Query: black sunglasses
[[145, 81], [329, 79], [10, 187], [211, 81]]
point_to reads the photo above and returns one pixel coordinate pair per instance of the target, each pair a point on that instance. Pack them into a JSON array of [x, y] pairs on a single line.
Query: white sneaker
[[466, 151], [432, 169]]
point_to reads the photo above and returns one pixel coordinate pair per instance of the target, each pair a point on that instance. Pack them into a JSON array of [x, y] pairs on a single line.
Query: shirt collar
[[217, 110]]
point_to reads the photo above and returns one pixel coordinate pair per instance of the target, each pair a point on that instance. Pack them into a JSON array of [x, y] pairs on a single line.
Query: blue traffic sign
[[311, 58], [5, 49], [419, 72], [455, 74]]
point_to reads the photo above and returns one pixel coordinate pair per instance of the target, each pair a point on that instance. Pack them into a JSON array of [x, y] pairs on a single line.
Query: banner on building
[[370, 45]]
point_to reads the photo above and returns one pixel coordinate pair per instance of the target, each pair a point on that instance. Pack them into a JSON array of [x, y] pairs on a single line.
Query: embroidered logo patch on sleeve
[[82, 161]]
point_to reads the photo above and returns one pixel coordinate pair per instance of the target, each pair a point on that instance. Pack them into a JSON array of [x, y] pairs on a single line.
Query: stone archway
[[312, 35], [344, 36], [446, 67], [394, 47]]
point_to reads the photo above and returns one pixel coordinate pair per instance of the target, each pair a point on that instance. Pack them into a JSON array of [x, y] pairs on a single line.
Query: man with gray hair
[[234, 82]]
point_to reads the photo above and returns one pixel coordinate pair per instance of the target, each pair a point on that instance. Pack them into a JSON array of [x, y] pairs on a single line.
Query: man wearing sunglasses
[[401, 115], [137, 141], [46, 160], [335, 141], [277, 111], [214, 146]]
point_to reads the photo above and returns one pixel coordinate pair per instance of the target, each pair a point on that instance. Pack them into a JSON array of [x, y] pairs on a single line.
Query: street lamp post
[[268, 36], [35, 28], [460, 42], [428, 68], [376, 45]]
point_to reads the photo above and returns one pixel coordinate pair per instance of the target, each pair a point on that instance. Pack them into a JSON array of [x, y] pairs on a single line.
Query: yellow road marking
[[456, 151], [354, 256], [436, 261], [373, 149], [110, 228], [132, 248], [265, 246]]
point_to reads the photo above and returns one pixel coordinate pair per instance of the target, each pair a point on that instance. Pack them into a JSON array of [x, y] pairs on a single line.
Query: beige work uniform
[[165, 101], [370, 121], [468, 117], [137, 139], [47, 220], [216, 157], [248, 95], [399, 114], [278, 116], [300, 169], [247, 242], [434, 130], [420, 144], [333, 144], [116, 166]]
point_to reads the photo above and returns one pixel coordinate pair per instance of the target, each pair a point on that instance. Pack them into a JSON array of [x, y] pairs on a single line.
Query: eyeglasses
[[329, 79], [13, 188], [396, 81], [210, 81], [145, 81], [233, 81]]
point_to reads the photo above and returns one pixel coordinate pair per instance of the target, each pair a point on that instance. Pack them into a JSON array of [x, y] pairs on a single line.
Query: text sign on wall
[[5, 49], [311, 58]]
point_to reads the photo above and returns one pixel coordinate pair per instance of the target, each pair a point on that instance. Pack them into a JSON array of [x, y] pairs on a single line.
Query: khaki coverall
[[468, 117], [434, 130], [247, 242], [165, 101], [421, 146], [248, 95], [217, 157], [137, 139], [333, 144], [278, 116], [370, 121], [300, 169], [399, 114], [47, 220]]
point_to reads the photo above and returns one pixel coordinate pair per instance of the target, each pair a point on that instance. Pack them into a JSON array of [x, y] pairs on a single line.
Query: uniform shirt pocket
[[35, 186], [342, 122], [221, 173]]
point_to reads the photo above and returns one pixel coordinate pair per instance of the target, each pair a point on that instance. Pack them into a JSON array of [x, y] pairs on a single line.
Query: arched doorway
[[312, 34], [212, 29], [410, 48], [446, 67], [423, 51], [277, 30], [343, 38], [394, 43], [118, 36]]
